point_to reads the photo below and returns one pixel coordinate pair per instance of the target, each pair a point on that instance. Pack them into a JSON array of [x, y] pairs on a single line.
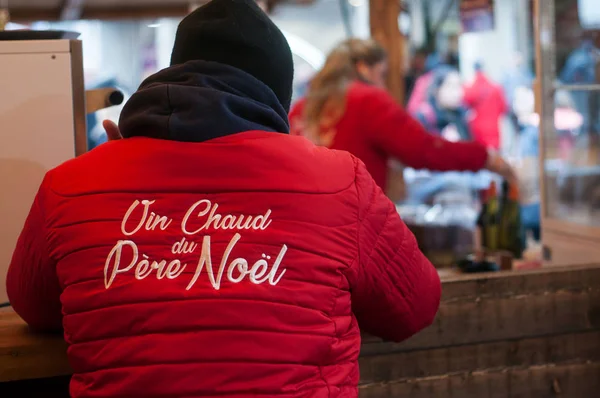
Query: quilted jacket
[[209, 258]]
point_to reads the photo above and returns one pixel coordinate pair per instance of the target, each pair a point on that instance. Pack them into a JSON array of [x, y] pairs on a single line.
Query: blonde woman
[[348, 108]]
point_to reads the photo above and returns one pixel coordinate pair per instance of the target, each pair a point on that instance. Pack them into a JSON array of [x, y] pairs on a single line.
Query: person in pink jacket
[[422, 85]]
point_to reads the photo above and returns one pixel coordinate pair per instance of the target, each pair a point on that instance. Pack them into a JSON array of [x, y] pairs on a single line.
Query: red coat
[[239, 266], [487, 102], [375, 128]]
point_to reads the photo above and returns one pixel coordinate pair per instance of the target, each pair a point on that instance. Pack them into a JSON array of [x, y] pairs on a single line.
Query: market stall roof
[[49, 10]]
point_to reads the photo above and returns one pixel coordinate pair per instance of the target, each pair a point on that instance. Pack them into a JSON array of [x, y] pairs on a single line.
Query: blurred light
[[154, 25], [15, 26], [589, 14], [404, 23], [356, 3], [303, 49], [41, 25]]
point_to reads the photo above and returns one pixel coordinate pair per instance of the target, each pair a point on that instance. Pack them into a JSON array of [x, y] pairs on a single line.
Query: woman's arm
[[396, 133]]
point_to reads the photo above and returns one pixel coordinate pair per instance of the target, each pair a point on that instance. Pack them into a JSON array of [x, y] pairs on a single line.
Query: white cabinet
[[42, 124]]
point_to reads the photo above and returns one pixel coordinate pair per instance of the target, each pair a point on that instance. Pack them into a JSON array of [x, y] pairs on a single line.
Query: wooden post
[[4, 18], [384, 28]]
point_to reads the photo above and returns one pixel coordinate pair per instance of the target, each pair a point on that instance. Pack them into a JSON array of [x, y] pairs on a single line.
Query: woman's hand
[[496, 164], [112, 130]]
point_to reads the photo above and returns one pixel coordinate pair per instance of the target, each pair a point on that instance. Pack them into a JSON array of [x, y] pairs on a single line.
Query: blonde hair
[[326, 98]]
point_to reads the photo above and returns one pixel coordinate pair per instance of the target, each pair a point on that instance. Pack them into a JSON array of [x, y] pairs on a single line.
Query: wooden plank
[[523, 282], [26, 15], [475, 288], [476, 311], [506, 318], [24, 355], [131, 12], [119, 10], [577, 380], [578, 347]]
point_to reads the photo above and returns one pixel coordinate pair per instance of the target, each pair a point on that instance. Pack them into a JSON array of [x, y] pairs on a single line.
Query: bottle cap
[[492, 190], [513, 192]]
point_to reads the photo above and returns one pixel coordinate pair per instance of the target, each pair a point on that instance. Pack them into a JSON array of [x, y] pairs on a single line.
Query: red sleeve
[[469, 96], [295, 117], [396, 133], [505, 106], [395, 289], [32, 284]]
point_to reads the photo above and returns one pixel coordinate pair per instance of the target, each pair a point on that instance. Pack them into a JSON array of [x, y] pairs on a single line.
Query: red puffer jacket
[[233, 267]]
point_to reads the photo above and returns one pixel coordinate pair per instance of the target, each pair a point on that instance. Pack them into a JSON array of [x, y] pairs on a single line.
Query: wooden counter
[[24, 355], [510, 335]]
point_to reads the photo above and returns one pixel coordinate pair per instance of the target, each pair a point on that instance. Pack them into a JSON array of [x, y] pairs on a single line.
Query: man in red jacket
[[208, 253]]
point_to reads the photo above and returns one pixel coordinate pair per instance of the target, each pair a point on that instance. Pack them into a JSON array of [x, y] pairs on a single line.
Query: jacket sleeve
[[469, 96], [295, 118], [504, 105], [32, 284], [397, 134], [395, 291]]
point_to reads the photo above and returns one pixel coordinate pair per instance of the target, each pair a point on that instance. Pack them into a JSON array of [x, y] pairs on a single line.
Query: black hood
[[200, 100]]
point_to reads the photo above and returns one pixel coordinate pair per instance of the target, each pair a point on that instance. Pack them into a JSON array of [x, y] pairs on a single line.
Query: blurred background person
[[518, 76], [568, 122], [443, 113], [418, 94], [580, 68], [348, 108], [527, 162], [416, 70], [568, 125], [487, 104]]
